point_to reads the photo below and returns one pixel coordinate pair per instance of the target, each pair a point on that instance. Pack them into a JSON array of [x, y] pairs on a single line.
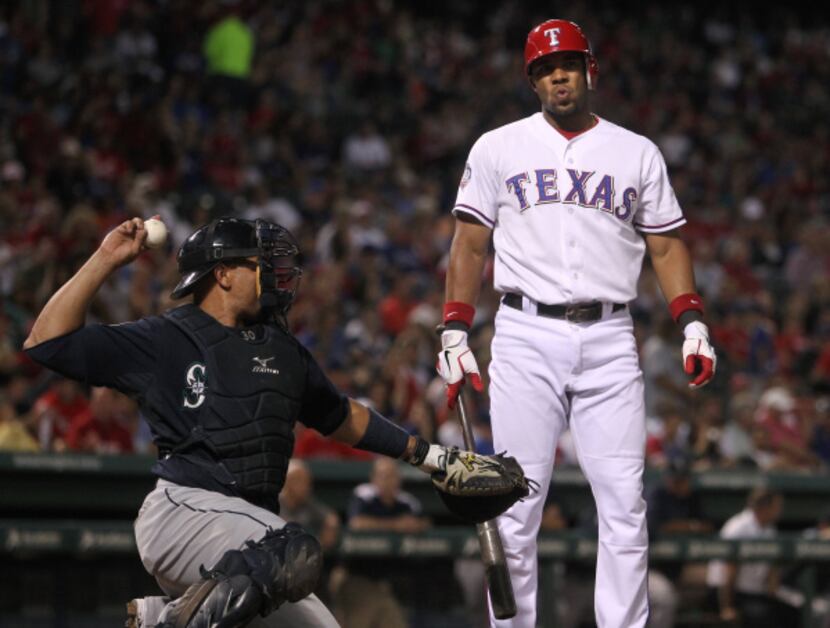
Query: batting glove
[[455, 361], [699, 358]]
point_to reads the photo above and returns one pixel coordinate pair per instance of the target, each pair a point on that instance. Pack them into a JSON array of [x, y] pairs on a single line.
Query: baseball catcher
[[222, 383]]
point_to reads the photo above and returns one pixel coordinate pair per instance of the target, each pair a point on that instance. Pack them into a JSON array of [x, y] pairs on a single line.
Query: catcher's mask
[[228, 239]]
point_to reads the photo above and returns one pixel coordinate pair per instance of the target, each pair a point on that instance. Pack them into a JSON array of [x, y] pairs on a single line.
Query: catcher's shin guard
[[218, 601], [284, 566]]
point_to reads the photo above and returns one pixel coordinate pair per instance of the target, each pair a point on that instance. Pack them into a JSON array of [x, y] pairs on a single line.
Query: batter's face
[[561, 85]]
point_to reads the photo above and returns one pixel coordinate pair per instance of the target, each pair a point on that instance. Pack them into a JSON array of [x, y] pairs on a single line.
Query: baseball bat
[[489, 540]]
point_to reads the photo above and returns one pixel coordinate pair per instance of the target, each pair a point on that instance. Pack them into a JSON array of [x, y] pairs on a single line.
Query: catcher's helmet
[[560, 36], [233, 238]]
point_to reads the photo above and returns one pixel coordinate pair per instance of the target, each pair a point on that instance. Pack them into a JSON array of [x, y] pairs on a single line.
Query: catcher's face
[[244, 285], [560, 83]]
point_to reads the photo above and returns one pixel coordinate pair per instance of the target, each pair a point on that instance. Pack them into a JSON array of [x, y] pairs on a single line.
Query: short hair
[[762, 497]]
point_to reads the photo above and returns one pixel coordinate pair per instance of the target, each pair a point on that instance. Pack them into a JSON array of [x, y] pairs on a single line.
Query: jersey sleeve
[[118, 356], [658, 209], [324, 408], [478, 189]]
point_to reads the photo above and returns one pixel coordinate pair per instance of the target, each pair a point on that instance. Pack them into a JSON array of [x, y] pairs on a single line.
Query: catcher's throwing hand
[[455, 361], [699, 358], [124, 243], [477, 488]]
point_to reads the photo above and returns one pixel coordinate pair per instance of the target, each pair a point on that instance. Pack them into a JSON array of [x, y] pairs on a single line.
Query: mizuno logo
[[261, 366]]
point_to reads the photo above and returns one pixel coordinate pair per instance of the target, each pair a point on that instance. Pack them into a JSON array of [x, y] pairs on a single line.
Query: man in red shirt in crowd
[[103, 428]]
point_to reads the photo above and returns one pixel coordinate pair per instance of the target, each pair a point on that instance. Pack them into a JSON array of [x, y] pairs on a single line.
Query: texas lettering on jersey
[[600, 195]]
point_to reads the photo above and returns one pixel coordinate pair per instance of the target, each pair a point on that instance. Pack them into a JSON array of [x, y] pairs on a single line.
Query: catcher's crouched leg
[[284, 566]]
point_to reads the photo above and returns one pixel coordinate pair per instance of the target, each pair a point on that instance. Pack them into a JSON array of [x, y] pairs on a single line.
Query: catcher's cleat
[[143, 612], [132, 615], [216, 602]]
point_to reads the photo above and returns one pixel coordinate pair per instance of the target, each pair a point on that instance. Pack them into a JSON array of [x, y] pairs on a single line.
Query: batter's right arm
[[468, 256], [66, 310]]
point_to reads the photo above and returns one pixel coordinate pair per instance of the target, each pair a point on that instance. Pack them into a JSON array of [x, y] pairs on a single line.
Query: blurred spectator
[[56, 410], [705, 437], [229, 48], [786, 434], [669, 437], [673, 508], [366, 149], [14, 436], [736, 442], [278, 210], [298, 503], [104, 427], [746, 591], [365, 598], [793, 577], [820, 438]]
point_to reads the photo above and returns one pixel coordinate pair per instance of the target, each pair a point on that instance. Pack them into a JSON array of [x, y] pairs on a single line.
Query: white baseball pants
[[547, 375]]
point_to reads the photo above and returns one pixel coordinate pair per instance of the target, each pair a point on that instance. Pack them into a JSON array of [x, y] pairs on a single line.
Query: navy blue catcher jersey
[[155, 363]]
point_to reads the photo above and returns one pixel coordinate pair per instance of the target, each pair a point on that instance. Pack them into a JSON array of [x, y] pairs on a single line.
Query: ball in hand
[[156, 233]]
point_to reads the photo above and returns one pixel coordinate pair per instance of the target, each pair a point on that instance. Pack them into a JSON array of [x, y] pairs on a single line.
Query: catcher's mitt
[[477, 488]]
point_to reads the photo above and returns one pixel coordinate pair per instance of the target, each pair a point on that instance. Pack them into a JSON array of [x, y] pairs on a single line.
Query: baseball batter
[[572, 202], [222, 383]]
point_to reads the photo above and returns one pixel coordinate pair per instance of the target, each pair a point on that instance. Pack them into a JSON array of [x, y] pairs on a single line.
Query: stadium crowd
[[349, 123]]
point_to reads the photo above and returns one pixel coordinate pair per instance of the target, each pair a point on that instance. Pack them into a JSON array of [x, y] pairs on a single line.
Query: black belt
[[575, 312]]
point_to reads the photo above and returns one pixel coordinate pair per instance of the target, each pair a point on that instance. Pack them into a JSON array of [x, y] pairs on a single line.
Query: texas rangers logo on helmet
[[553, 35]]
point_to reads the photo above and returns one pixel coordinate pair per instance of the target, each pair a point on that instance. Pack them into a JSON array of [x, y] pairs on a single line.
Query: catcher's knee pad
[[286, 564], [289, 561]]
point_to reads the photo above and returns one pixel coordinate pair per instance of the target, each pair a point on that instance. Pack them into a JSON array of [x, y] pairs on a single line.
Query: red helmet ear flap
[[592, 70]]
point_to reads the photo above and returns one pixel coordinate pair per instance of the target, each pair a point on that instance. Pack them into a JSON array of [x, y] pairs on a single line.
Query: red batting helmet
[[558, 36]]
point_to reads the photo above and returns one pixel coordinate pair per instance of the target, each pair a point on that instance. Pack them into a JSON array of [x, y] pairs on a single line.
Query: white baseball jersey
[[567, 214], [752, 576]]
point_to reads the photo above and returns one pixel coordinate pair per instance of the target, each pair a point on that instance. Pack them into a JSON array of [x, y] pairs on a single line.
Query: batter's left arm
[[673, 266], [672, 263]]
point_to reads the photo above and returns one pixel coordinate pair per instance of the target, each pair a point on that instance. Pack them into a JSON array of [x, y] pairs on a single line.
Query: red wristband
[[458, 311], [684, 303]]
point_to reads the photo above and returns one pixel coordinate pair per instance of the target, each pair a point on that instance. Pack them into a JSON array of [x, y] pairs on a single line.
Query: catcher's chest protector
[[250, 403]]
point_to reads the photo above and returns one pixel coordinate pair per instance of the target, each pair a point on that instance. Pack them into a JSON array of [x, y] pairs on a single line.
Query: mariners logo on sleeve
[[195, 385]]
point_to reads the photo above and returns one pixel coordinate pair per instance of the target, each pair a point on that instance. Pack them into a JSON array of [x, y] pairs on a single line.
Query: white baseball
[[156, 233]]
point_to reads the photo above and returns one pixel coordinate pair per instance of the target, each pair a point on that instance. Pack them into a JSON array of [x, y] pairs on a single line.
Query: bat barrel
[[498, 577]]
